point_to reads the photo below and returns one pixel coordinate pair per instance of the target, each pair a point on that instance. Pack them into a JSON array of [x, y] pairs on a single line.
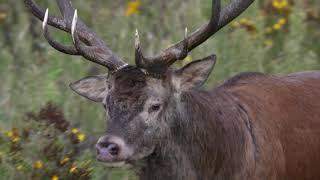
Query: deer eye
[[124, 106], [155, 107]]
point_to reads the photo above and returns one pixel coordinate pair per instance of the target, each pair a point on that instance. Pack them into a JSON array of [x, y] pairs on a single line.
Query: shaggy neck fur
[[209, 139]]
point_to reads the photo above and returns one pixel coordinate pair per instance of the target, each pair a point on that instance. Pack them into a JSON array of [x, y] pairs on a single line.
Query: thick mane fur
[[254, 126]]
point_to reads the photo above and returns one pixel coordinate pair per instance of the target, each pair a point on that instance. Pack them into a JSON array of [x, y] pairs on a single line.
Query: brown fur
[[254, 126], [285, 120]]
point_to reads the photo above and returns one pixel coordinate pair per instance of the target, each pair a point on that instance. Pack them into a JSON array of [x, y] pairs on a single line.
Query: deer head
[[142, 100]]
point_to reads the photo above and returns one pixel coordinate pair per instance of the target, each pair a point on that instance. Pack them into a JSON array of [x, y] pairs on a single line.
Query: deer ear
[[194, 74], [92, 87]]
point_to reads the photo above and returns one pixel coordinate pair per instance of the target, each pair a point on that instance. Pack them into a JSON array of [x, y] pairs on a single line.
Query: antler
[[219, 18], [85, 42]]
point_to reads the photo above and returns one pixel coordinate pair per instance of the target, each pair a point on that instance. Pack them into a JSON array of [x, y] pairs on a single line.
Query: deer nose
[[108, 147], [111, 149]]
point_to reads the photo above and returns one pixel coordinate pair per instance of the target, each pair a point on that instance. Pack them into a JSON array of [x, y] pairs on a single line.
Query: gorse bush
[[46, 147]]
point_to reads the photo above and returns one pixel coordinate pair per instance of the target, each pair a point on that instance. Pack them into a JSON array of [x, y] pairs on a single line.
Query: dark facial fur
[[135, 106]]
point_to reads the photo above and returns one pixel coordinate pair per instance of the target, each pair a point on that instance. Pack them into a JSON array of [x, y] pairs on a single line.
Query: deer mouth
[[126, 163], [112, 163], [115, 164]]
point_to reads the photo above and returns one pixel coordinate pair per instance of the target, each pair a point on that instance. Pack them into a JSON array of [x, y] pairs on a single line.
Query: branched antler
[[62, 48], [219, 18], [85, 42]]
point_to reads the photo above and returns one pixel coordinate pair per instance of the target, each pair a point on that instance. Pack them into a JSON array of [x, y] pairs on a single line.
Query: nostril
[[113, 149]]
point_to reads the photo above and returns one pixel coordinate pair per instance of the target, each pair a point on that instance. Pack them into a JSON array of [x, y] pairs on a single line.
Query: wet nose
[[111, 149], [108, 148]]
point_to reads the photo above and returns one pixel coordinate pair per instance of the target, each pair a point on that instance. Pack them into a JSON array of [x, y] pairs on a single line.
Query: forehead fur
[[132, 81], [128, 79]]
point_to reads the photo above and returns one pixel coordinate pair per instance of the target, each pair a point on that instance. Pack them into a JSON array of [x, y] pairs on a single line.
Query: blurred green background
[[272, 36]]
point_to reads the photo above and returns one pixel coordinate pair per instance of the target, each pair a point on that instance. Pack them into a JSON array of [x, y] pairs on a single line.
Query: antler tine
[[219, 18], [138, 51], [93, 53], [160, 63], [137, 40], [54, 21], [74, 25], [86, 42], [62, 48], [64, 23]]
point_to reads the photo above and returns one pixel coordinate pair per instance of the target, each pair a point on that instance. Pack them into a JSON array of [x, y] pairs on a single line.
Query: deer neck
[[205, 143]]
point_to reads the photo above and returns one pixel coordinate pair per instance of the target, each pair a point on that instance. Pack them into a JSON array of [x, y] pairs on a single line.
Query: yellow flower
[[276, 4], [54, 177], [75, 130], [280, 4], [81, 137], [235, 24], [15, 139], [284, 3], [19, 167], [282, 21], [38, 165], [10, 134], [64, 160], [133, 7], [277, 26], [243, 21], [73, 169]]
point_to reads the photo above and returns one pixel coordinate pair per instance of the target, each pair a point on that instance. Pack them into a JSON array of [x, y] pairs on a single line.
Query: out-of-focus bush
[[46, 147]]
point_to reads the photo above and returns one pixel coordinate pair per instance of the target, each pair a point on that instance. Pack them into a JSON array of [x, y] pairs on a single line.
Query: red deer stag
[[254, 126]]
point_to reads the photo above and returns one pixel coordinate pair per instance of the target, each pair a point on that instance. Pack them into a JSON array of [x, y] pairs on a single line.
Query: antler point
[[74, 24], [185, 32], [45, 19], [137, 40]]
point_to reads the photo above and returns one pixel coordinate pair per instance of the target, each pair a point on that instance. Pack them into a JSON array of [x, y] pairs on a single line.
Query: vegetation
[[56, 140]]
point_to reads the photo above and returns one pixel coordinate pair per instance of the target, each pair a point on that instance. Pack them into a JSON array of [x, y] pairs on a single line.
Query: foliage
[[272, 36], [46, 147]]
